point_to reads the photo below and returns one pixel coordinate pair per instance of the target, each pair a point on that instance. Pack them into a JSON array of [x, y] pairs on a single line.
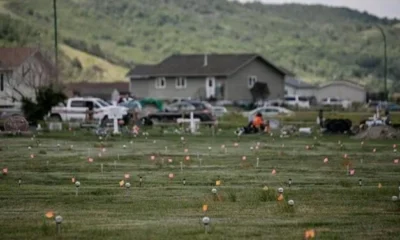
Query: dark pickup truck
[[154, 118]]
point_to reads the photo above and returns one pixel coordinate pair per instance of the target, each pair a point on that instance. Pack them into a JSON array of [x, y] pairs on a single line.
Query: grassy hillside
[[319, 43]]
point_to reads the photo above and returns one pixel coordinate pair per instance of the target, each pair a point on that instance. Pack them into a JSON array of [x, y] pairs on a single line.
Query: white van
[[297, 101]]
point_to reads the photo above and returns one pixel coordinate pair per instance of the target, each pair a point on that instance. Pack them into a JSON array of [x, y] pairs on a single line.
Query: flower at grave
[[307, 147], [345, 155], [124, 146], [256, 147], [182, 138], [352, 171], [152, 157], [126, 176], [309, 234], [251, 148], [171, 176], [187, 158], [29, 147], [169, 160], [218, 182], [49, 214], [222, 146], [100, 138], [121, 183], [362, 143], [326, 160], [205, 207], [5, 171], [265, 188], [99, 154], [396, 161], [394, 146], [186, 150], [244, 158], [90, 160], [374, 150], [32, 156], [103, 150], [379, 185], [209, 148], [273, 172], [236, 144]]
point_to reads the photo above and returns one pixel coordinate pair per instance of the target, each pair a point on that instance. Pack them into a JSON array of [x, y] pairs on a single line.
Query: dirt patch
[[378, 132]]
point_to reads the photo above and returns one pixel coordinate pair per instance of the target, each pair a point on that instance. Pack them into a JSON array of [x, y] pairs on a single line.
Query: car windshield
[[290, 99], [103, 103], [303, 99]]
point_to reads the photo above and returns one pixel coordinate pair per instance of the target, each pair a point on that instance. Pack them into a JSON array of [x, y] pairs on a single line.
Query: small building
[[202, 76], [346, 90], [295, 86], [103, 90], [22, 71]]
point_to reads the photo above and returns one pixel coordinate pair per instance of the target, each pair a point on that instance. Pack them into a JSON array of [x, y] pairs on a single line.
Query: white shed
[[342, 89]]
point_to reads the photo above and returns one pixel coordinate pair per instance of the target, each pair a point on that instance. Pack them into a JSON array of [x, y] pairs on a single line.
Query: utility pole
[[385, 60], [55, 37]]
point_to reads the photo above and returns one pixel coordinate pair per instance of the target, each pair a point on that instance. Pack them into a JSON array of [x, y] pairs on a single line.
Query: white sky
[[381, 8]]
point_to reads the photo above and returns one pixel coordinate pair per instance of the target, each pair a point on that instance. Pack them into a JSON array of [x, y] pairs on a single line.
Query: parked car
[[180, 107], [219, 111], [269, 111], [75, 109], [297, 101], [336, 102]]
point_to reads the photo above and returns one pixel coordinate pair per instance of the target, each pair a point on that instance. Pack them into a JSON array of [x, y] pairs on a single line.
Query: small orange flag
[[273, 172], [218, 182], [280, 198], [309, 234], [121, 183], [73, 180], [49, 214], [205, 208]]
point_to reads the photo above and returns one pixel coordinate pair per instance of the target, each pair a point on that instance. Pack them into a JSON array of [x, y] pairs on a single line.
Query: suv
[[336, 102], [297, 101], [76, 108]]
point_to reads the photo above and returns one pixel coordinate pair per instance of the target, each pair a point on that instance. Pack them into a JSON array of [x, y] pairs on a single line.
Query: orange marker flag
[[49, 214], [73, 180], [218, 182], [309, 234], [205, 208], [121, 183], [273, 172], [280, 198], [127, 176], [5, 171]]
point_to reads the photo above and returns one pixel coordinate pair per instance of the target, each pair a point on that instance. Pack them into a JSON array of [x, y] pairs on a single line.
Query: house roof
[[11, 58], [297, 83], [343, 82], [194, 65]]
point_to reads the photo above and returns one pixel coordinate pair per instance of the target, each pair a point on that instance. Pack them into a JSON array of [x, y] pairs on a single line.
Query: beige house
[[199, 76], [345, 90], [22, 70]]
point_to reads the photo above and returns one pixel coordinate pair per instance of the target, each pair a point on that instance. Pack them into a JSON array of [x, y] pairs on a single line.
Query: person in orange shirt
[[258, 123]]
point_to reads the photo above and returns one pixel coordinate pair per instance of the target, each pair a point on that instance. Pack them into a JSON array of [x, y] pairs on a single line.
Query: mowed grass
[[326, 198]]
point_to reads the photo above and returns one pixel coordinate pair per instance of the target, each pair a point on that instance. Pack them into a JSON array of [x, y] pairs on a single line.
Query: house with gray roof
[[295, 86], [203, 76]]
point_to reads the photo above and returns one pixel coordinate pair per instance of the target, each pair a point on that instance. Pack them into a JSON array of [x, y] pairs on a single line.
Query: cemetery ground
[[327, 198]]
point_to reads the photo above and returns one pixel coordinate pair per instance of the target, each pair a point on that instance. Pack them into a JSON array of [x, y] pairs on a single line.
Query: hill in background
[[318, 43]]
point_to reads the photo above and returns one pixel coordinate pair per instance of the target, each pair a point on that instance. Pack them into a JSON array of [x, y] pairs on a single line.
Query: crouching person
[[255, 126]]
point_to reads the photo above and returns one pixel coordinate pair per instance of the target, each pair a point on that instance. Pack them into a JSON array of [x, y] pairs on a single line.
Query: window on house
[[1, 82], [161, 83], [78, 104], [251, 81], [180, 83]]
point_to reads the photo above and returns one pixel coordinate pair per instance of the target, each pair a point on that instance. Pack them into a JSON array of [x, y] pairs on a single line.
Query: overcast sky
[[381, 8]]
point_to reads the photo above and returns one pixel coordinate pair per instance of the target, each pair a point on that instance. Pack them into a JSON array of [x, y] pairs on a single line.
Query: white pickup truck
[[75, 110]]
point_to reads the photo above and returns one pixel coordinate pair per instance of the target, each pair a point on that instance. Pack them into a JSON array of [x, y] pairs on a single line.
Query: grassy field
[[326, 198]]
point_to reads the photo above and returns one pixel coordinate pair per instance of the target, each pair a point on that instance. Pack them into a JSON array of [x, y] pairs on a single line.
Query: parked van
[[297, 101]]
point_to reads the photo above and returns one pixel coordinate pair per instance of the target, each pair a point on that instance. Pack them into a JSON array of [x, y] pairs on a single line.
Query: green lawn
[[326, 198]]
